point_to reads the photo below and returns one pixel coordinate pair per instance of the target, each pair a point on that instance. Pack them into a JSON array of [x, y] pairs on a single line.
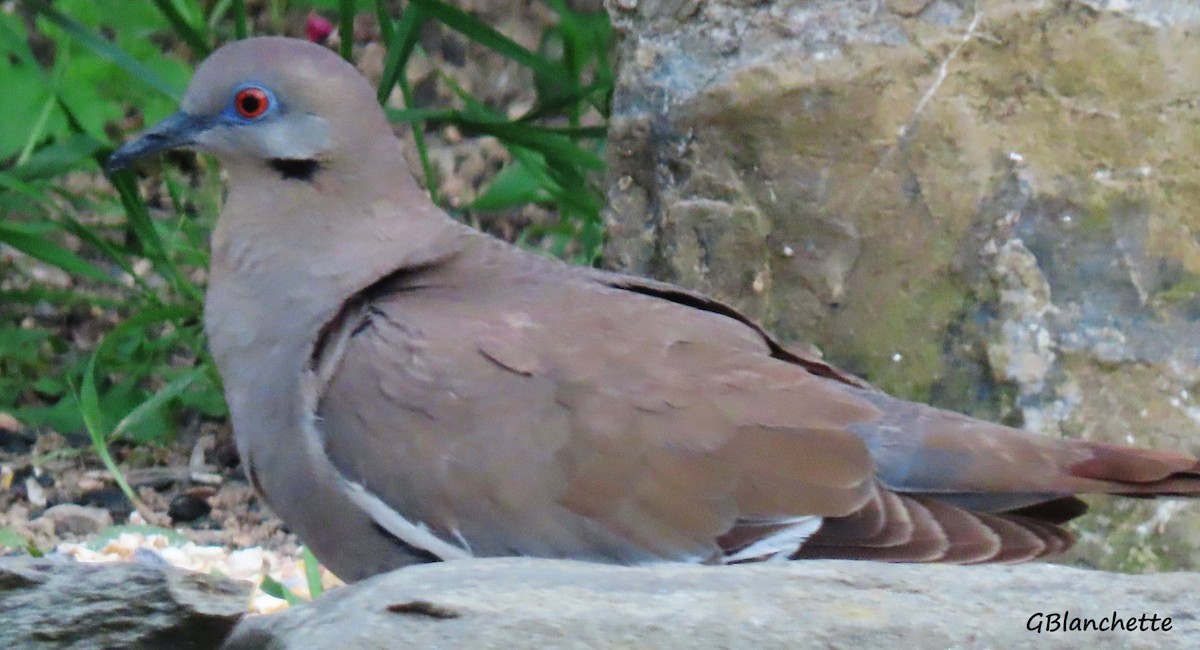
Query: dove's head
[[284, 105]]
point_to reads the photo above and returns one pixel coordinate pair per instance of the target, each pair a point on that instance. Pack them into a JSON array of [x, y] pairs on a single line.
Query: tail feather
[[1146, 467], [955, 489], [1055, 511], [1018, 543], [971, 539], [919, 449], [882, 522], [940, 532], [923, 539]]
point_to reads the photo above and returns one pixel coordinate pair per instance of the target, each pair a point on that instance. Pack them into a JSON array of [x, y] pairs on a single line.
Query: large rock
[[518, 604], [990, 206], [67, 605]]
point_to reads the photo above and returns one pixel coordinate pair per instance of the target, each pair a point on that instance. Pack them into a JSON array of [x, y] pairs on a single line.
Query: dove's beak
[[177, 130]]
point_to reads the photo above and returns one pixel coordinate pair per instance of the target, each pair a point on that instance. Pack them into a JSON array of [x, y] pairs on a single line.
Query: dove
[[406, 389]]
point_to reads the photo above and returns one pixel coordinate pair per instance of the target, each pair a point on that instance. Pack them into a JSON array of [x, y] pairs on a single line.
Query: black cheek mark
[[296, 169]]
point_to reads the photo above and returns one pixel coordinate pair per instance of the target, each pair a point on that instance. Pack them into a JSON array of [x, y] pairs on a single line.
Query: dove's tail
[[956, 489]]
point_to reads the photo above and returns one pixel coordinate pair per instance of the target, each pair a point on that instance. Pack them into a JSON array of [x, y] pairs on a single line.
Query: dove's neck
[[290, 252]]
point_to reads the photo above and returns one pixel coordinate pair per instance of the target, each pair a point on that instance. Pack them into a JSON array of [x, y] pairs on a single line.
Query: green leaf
[[33, 550], [514, 185], [58, 158], [48, 385], [10, 539], [93, 418], [312, 573], [15, 41], [20, 345], [387, 29], [172, 390], [121, 259], [25, 189], [62, 416], [240, 24], [196, 36], [346, 29], [552, 145], [275, 589], [400, 48], [51, 253], [26, 89], [107, 50]]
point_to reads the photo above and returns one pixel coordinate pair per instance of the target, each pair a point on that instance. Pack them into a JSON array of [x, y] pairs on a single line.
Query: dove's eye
[[251, 102]]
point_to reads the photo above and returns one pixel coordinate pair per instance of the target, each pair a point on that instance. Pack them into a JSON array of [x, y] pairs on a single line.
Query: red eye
[[251, 102]]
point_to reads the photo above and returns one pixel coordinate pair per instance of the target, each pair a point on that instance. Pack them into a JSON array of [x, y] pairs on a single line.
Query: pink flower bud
[[317, 28]]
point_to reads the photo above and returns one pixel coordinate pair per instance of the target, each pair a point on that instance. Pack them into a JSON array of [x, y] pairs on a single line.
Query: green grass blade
[[16, 44], [61, 156], [107, 50], [275, 589], [559, 149], [143, 227], [400, 47], [145, 318], [565, 101], [555, 146], [482, 33], [198, 41], [68, 298], [312, 573], [241, 28], [51, 253], [579, 132], [138, 214], [217, 13], [173, 389], [346, 29], [387, 28], [15, 185], [414, 115], [93, 419], [89, 237], [35, 134], [514, 185]]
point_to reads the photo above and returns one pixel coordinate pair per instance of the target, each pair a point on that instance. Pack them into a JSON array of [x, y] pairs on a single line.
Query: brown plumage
[[404, 388]]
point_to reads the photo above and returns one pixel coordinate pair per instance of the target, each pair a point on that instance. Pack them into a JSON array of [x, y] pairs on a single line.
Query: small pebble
[[226, 453], [108, 498], [34, 492], [14, 442], [188, 507], [69, 518]]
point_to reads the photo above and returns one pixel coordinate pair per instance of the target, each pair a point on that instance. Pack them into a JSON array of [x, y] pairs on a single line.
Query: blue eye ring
[[250, 102]]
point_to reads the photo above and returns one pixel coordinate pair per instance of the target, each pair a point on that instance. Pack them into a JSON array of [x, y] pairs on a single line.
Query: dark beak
[[177, 130]]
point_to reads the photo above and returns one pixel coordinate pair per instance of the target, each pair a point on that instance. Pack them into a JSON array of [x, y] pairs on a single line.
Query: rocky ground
[[195, 509]]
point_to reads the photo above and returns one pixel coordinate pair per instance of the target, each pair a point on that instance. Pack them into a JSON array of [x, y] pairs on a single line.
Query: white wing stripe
[[416, 534], [781, 544]]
